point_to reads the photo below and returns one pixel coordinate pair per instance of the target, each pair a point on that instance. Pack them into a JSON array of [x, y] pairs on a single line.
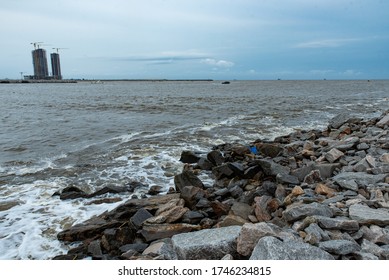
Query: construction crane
[[36, 44], [59, 49]]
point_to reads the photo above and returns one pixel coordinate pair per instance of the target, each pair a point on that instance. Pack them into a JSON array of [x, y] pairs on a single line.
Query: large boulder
[[210, 244]]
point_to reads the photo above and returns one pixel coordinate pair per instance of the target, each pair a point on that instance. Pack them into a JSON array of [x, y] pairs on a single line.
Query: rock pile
[[308, 195]]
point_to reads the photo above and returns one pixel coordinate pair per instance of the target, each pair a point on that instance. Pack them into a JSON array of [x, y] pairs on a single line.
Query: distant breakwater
[[312, 194]]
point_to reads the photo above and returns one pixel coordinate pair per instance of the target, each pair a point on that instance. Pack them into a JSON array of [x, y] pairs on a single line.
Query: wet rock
[[383, 122], [300, 211], [72, 193], [152, 232], [187, 178], [287, 179], [223, 171], [366, 215], [189, 157], [271, 248], [210, 244], [154, 190], [216, 157], [139, 217], [269, 149], [192, 195], [339, 247], [94, 248]]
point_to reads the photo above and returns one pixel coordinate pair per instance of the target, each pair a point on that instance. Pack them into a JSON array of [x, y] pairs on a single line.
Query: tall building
[[56, 66], [39, 61]]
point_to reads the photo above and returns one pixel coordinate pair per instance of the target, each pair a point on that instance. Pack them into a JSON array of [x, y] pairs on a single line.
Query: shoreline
[[320, 194]]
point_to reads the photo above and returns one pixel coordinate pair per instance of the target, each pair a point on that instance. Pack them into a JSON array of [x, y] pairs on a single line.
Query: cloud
[[218, 63], [327, 43]]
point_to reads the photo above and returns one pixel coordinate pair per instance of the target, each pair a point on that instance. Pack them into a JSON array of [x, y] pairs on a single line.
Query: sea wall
[[308, 195]]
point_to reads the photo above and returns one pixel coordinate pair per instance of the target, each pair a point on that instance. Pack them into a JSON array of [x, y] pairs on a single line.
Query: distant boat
[[225, 83], [97, 82]]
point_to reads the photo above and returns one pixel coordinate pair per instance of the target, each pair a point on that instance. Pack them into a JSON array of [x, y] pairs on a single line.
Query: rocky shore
[[314, 194]]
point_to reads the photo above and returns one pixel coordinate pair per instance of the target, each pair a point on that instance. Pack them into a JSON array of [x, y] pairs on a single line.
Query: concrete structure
[[56, 66], [39, 61]]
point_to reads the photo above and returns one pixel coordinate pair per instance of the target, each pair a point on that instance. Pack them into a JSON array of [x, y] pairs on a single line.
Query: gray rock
[[366, 215], [140, 216], [300, 211], [187, 178], [271, 168], [211, 244], [337, 223], [162, 248], [361, 178], [251, 233], [339, 120], [287, 179], [271, 248], [339, 247], [333, 155], [383, 122], [315, 234]]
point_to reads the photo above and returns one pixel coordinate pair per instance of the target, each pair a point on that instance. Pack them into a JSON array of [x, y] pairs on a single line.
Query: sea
[[117, 133]]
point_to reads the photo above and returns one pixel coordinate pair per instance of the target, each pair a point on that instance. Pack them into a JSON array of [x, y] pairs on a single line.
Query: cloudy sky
[[185, 39]]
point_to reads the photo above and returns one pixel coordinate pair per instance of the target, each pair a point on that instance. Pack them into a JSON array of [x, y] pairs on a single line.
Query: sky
[[199, 39]]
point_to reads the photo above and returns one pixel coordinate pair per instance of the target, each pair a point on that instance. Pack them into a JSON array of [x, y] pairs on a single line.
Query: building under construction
[[39, 61]]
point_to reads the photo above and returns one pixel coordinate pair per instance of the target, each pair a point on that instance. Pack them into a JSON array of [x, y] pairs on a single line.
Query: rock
[[231, 220], [300, 211], [223, 171], [271, 248], [154, 190], [240, 209], [72, 193], [324, 190], [187, 178], [376, 234], [269, 149], [337, 223], [337, 121], [161, 248], [159, 231], [192, 195], [113, 238], [313, 177], [6, 205], [385, 158], [366, 215], [189, 157], [315, 234], [169, 216], [287, 179], [216, 158], [94, 248], [339, 247], [88, 229], [251, 233], [383, 122], [210, 244], [140, 216], [333, 155], [192, 217], [260, 209], [220, 208], [271, 168], [362, 179]]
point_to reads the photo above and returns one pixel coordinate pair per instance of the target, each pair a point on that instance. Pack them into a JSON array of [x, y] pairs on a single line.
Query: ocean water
[[93, 135]]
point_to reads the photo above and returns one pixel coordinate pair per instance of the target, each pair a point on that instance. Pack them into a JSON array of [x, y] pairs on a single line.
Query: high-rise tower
[[56, 66], [39, 61]]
